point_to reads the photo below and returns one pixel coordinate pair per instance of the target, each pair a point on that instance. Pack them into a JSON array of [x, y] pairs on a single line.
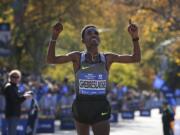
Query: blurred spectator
[[167, 119], [54, 95], [3, 77], [13, 100], [48, 103], [2, 103], [177, 92]]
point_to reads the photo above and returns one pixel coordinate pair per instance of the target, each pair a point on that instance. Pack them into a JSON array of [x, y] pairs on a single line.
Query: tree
[[159, 21], [31, 22]]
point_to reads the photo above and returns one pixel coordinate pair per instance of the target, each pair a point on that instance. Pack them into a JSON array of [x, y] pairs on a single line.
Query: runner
[[91, 68], [168, 119]]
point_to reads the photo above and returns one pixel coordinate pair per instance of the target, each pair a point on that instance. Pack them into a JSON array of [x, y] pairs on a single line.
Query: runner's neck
[[92, 57]]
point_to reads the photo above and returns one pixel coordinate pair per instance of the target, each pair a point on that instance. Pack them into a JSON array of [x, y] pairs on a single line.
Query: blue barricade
[[160, 110], [20, 127], [127, 114], [67, 123], [145, 112], [114, 117], [66, 118], [44, 126], [178, 100], [1, 117]]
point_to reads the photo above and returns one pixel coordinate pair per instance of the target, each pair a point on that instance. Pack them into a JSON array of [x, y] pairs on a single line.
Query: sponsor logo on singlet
[[92, 84], [104, 113]]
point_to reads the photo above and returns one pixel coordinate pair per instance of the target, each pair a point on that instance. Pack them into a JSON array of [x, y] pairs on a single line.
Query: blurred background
[[25, 31]]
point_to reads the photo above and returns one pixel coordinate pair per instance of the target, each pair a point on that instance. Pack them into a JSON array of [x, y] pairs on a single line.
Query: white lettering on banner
[[45, 126], [20, 127], [92, 84]]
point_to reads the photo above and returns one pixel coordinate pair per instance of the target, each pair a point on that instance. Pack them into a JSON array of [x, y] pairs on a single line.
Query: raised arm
[[51, 56], [135, 57]]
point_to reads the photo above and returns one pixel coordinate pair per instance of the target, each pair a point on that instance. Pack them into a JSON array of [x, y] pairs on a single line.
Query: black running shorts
[[90, 112]]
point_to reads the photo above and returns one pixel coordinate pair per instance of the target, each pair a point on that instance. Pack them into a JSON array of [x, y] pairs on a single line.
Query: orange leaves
[[149, 26], [174, 50], [160, 3]]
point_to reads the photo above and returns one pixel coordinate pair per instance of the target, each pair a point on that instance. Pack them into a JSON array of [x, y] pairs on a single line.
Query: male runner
[[91, 68]]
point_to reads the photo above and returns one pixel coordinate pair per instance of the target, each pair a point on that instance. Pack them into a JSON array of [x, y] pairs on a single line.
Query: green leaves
[[126, 74]]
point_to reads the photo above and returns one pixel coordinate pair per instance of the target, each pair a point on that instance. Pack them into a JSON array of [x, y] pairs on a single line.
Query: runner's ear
[[82, 41]]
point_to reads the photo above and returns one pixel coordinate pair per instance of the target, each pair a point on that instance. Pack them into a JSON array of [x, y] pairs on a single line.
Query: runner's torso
[[91, 80]]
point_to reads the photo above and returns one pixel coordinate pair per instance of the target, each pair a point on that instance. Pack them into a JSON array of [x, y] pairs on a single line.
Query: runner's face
[[91, 37]]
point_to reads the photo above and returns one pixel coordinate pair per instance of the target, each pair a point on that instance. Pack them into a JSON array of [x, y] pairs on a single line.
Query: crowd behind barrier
[[54, 96]]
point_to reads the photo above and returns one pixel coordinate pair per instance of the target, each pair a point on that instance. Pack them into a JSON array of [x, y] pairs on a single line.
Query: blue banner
[[66, 118], [145, 112], [20, 127], [114, 117], [127, 114], [158, 82], [169, 94], [44, 126]]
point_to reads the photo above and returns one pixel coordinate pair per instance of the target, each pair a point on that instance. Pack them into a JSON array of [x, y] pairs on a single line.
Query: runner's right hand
[[57, 29]]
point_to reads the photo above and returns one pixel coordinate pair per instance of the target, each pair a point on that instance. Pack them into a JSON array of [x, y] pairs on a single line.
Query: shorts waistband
[[90, 98]]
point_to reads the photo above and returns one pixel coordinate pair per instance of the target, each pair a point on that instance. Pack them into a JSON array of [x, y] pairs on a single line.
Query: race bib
[[92, 84]]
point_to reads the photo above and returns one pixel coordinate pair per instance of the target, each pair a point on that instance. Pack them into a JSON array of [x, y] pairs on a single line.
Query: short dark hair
[[85, 28]]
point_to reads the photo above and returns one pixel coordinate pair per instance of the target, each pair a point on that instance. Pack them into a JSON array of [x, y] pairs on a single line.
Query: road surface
[[139, 126]]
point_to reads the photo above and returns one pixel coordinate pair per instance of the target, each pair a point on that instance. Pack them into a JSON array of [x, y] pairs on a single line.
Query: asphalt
[[138, 126]]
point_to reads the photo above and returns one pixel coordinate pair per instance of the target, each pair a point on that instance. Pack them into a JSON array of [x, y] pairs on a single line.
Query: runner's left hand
[[133, 30]]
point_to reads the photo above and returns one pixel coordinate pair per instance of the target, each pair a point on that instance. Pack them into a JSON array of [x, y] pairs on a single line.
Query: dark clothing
[[12, 123], [32, 118], [167, 118], [91, 82], [91, 111], [13, 100]]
